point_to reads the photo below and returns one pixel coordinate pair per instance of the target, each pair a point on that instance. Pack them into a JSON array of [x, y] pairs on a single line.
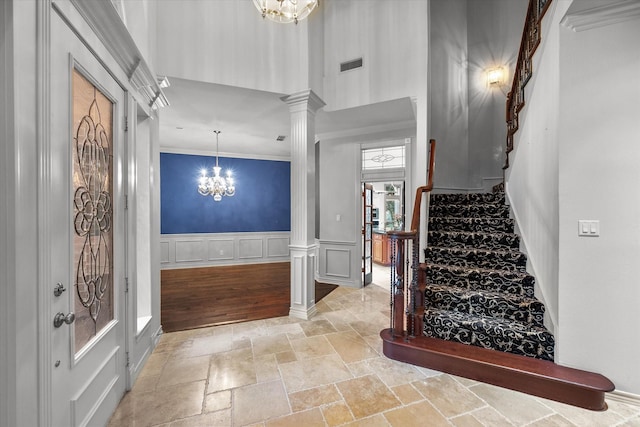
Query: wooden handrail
[[408, 304], [524, 69], [415, 219]]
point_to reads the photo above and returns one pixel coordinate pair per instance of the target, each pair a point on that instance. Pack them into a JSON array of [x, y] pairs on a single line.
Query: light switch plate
[[589, 227]]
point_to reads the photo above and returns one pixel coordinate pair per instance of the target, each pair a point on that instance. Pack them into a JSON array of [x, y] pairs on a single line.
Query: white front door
[[86, 221]]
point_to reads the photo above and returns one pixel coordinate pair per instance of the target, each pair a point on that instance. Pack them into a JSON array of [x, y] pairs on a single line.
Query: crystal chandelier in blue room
[[216, 185]]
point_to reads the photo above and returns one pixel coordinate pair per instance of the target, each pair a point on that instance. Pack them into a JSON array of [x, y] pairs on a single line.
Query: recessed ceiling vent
[[350, 65], [280, 138]]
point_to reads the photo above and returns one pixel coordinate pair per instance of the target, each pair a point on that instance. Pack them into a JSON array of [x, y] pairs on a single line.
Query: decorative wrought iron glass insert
[[92, 152], [383, 158]]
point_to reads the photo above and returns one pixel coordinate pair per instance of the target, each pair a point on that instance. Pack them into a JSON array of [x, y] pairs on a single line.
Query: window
[[383, 158]]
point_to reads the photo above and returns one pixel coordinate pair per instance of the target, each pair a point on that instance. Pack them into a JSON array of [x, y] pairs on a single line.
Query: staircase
[[477, 289], [470, 309]]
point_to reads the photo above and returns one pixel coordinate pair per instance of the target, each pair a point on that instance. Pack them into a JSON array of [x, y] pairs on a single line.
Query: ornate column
[[302, 107]]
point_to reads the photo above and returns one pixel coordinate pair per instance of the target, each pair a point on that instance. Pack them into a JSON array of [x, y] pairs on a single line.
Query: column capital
[[306, 98]]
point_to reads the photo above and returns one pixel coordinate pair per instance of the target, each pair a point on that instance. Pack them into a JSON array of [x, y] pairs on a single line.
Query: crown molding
[[602, 16], [104, 20]]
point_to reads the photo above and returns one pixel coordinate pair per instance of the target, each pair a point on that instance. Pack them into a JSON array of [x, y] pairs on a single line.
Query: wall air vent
[[280, 138], [350, 65]]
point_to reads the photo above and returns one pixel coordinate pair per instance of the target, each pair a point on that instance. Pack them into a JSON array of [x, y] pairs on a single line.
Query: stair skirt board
[[520, 373]]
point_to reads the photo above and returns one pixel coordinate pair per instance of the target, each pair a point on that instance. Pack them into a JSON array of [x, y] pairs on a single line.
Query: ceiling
[[251, 120]]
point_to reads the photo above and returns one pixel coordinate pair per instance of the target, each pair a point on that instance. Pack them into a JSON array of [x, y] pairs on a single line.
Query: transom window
[[383, 158]]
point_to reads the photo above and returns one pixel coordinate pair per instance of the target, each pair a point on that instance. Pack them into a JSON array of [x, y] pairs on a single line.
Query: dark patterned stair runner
[[478, 291]]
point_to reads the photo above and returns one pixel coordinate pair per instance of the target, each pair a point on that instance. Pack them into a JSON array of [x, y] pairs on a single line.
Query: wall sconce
[[497, 78]]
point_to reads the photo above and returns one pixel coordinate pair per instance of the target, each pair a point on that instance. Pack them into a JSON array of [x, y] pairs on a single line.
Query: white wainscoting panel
[[220, 249], [250, 248], [189, 250], [339, 263], [277, 247], [211, 249]]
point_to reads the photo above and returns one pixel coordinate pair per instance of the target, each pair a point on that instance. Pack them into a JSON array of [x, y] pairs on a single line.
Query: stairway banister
[[415, 218], [524, 68], [407, 304]]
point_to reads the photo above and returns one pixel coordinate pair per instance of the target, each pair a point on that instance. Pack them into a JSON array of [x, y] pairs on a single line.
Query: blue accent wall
[[262, 201]]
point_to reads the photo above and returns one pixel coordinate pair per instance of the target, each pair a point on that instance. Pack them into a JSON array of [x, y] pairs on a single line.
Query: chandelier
[[285, 11], [216, 185]]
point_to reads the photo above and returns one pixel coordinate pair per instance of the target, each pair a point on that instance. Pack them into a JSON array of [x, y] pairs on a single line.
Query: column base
[[302, 312]]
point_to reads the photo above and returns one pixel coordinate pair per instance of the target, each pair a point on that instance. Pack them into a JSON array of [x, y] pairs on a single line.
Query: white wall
[[532, 179], [390, 37], [493, 40], [339, 252], [227, 42], [575, 157], [449, 93], [25, 372], [140, 19], [19, 217], [598, 159]]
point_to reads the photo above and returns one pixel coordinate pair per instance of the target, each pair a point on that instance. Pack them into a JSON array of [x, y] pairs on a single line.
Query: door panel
[[87, 228], [367, 231]]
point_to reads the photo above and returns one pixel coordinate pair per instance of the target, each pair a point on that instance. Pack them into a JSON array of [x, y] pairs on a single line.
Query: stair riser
[[477, 259], [499, 281], [499, 242], [530, 312], [469, 211], [477, 225], [498, 198], [484, 334]]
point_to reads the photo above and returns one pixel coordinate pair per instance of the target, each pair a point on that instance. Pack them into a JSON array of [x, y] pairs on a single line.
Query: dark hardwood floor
[[198, 297]]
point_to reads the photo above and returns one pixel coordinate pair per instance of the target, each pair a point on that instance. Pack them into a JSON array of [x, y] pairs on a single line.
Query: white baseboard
[[624, 397], [550, 321]]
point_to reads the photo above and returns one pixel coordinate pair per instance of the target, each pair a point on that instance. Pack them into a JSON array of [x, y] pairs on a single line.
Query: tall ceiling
[[251, 120]]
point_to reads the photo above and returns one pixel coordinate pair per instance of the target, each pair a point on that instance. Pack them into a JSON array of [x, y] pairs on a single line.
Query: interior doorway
[[387, 213]]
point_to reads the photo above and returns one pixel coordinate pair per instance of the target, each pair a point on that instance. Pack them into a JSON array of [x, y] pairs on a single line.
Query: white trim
[[44, 191], [200, 249], [106, 23], [336, 242], [532, 264], [624, 397], [196, 152], [407, 125], [7, 284], [602, 16], [300, 313]]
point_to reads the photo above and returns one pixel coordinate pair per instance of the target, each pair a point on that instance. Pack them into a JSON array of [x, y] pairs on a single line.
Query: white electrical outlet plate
[[589, 227]]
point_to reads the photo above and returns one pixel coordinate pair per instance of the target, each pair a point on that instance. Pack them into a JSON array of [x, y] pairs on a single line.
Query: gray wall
[[467, 117], [493, 39], [575, 157], [449, 93], [598, 155]]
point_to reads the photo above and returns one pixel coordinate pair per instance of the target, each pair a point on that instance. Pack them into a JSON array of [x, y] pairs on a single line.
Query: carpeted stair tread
[[489, 332], [459, 198], [507, 281], [469, 211], [482, 225], [478, 291], [465, 239], [486, 303], [498, 260]]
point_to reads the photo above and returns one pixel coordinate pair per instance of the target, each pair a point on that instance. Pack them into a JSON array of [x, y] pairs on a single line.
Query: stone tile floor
[[329, 371]]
